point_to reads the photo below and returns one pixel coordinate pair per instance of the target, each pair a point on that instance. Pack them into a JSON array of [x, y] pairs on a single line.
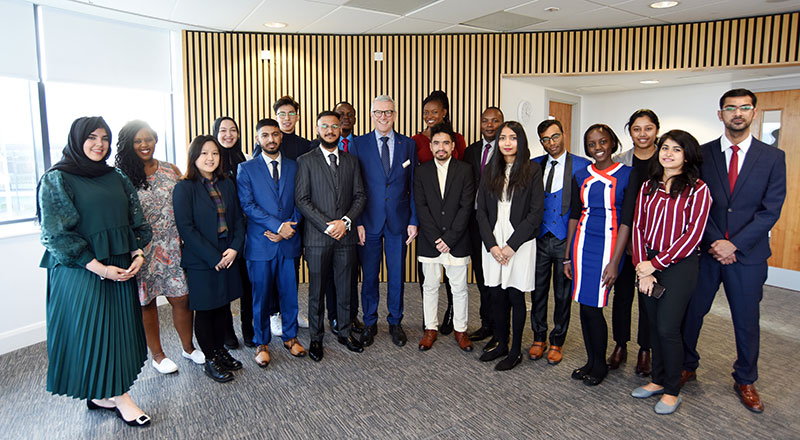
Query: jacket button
[[730, 209], [442, 212], [444, 228]]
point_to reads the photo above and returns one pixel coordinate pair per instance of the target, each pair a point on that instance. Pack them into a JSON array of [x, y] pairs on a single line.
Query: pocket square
[[406, 163]]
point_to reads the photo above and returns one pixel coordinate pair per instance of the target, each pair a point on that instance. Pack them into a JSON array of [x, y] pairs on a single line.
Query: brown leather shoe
[[686, 376], [537, 350], [554, 355], [618, 356], [294, 347], [427, 340], [262, 356], [463, 340], [643, 365], [749, 397]]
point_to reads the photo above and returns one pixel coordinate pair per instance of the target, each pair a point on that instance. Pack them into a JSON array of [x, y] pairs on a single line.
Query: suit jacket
[[196, 219], [572, 164], [527, 208], [390, 200], [473, 155], [755, 205], [267, 206], [444, 217], [321, 200]]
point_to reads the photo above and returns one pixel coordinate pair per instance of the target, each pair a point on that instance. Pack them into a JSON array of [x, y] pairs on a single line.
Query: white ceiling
[[438, 16]]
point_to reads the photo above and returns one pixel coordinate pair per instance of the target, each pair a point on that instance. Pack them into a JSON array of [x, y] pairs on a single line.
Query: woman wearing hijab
[[93, 231]]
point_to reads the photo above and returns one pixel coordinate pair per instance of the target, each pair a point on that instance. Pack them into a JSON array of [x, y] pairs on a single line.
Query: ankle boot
[[618, 356], [643, 366], [214, 370]]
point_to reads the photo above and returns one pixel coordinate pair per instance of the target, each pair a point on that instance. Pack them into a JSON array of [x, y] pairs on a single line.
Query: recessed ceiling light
[[663, 5], [275, 24], [648, 81], [552, 9]]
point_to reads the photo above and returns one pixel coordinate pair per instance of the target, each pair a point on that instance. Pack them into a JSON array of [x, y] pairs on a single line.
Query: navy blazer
[[755, 205], [390, 200], [196, 219], [267, 206]]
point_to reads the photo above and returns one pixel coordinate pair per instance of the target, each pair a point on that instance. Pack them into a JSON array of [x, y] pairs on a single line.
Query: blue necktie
[[385, 154], [275, 176]]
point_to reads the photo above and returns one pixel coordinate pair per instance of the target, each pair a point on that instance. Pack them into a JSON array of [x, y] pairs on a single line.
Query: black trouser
[[330, 295], [245, 307], [210, 326], [595, 337], [666, 319], [508, 305], [624, 289], [477, 268], [550, 260], [336, 262]]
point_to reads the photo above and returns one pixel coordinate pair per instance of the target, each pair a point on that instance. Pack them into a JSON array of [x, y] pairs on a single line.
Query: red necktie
[[344, 145], [733, 168]]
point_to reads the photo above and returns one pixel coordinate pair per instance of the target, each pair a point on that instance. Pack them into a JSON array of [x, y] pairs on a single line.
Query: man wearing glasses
[[747, 179], [558, 168], [287, 112], [389, 221]]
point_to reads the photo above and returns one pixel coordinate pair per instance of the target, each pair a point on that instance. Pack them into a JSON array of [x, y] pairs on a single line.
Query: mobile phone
[[657, 291]]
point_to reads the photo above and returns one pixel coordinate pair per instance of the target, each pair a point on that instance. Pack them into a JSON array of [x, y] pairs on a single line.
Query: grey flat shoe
[[642, 393], [662, 408]]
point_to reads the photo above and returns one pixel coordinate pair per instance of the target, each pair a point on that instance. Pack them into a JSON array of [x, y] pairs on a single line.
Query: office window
[[18, 147]]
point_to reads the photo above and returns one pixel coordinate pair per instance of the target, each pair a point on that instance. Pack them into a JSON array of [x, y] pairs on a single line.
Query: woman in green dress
[[93, 232]]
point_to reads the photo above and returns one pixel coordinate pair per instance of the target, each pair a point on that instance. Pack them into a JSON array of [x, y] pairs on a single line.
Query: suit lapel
[[750, 160], [718, 157], [282, 177], [263, 171], [399, 158], [326, 170], [566, 189], [448, 181]]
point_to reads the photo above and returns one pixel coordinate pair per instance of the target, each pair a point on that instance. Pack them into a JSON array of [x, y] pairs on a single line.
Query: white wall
[[512, 93], [22, 317]]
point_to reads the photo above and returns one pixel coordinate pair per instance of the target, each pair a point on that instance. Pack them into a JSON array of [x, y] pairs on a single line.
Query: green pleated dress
[[95, 339]]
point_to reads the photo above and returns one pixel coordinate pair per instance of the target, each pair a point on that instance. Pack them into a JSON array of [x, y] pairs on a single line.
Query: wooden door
[[563, 113], [781, 111]]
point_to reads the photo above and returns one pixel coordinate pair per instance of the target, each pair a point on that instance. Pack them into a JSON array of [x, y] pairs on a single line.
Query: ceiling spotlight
[[275, 24], [663, 5], [552, 9], [648, 81]]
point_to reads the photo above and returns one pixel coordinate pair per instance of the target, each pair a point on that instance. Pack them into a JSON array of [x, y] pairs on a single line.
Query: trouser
[[508, 303], [394, 246], [447, 287], [550, 260], [331, 293], [245, 308], [334, 261], [273, 279], [624, 291], [595, 338], [477, 268], [209, 327], [430, 295]]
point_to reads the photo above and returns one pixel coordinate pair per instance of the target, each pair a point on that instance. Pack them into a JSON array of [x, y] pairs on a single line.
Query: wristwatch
[[347, 222]]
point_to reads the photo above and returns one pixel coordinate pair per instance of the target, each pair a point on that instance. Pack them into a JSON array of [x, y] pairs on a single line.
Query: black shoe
[[357, 326], [447, 325], [231, 342], [368, 335], [92, 406], [352, 344], [398, 335], [333, 324], [580, 373], [315, 351], [494, 353], [480, 334], [248, 341], [227, 361], [508, 363], [491, 345], [214, 370], [142, 420], [591, 381]]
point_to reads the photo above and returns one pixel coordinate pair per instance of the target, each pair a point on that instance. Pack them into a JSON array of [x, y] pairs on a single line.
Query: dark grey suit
[[321, 198]]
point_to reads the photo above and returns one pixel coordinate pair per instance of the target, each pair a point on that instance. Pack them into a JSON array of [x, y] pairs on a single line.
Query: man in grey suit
[[329, 192]]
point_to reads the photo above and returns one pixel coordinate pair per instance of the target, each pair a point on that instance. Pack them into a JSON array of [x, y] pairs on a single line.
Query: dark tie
[[733, 169], [485, 155], [334, 166], [549, 184], [344, 145], [275, 176], [385, 154]]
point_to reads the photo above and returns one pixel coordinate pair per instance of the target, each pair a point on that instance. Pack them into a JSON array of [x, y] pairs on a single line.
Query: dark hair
[[445, 128], [195, 148], [642, 112], [735, 93], [492, 107], [324, 113], [521, 170], [693, 159], [343, 103], [544, 125], [440, 97], [284, 100], [126, 158], [601, 128], [268, 122]]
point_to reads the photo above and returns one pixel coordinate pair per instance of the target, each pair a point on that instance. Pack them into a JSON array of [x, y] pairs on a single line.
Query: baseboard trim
[[23, 337], [783, 278]]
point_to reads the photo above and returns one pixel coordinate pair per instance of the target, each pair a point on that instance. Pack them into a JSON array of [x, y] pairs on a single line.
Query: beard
[[329, 145], [268, 148]]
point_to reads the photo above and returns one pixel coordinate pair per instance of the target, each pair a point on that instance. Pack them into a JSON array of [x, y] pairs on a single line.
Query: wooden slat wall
[[226, 76]]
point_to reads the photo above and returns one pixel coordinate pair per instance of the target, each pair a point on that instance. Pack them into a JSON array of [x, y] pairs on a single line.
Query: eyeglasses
[[733, 108], [282, 115], [379, 113], [326, 126], [554, 138]]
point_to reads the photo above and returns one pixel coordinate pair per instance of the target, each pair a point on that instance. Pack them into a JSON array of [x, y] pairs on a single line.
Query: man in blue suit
[[389, 221], [747, 179], [266, 194]]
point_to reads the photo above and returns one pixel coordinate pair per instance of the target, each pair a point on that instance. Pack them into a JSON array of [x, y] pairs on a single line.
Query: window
[[18, 147]]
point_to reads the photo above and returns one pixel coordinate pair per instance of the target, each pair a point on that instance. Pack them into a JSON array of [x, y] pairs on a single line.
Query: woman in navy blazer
[[211, 226]]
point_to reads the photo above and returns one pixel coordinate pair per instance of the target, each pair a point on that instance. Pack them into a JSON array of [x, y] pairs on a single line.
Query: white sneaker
[[166, 366], [275, 325], [302, 321], [196, 356]]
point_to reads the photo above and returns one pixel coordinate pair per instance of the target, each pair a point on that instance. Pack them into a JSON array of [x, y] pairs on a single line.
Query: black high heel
[[142, 420], [93, 406]]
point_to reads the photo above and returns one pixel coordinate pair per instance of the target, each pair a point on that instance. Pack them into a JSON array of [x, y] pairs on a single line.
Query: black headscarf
[[231, 157]]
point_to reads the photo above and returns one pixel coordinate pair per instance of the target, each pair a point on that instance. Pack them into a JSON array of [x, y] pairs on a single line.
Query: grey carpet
[[391, 392]]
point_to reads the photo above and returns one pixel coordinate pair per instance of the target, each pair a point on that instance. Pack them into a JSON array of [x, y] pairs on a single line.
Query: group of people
[[668, 218]]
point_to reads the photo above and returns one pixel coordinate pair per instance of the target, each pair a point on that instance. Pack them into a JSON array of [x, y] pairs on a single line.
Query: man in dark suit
[[747, 180], [266, 194], [558, 168], [329, 193], [389, 220], [478, 155], [444, 193]]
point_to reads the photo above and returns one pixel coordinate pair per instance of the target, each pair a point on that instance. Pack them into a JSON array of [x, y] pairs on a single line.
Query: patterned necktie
[[334, 166], [733, 168], [549, 184], [385, 154], [275, 176]]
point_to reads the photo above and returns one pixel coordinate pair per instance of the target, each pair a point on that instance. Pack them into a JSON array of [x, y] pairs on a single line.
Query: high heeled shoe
[[142, 420]]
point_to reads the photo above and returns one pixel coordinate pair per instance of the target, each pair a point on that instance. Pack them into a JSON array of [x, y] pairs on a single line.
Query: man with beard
[[330, 194], [266, 194]]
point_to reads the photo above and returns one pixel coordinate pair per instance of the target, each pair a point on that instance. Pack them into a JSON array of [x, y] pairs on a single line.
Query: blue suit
[[388, 213], [747, 216], [270, 264]]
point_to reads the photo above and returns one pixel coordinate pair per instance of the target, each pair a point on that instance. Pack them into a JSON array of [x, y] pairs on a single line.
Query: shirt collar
[[390, 135], [494, 142], [561, 159], [443, 167], [269, 160], [725, 143], [326, 154]]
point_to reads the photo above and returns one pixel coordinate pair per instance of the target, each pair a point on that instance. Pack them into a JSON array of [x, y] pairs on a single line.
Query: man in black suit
[[445, 195], [478, 155], [329, 193]]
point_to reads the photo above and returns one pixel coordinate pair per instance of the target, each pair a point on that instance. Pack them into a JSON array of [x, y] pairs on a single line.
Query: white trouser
[[430, 294]]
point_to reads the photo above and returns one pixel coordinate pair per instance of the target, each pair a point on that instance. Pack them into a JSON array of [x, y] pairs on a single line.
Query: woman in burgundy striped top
[[669, 221]]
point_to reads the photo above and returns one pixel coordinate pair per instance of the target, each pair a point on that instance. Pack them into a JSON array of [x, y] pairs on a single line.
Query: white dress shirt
[[558, 172], [728, 152]]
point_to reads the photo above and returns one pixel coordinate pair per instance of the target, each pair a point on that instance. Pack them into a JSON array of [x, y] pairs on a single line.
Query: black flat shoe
[[368, 335], [591, 381], [447, 325], [92, 406], [480, 334], [508, 363], [398, 335], [248, 341], [142, 420], [357, 326], [227, 361], [352, 344], [580, 373], [315, 351], [494, 353], [214, 370], [491, 345], [231, 343]]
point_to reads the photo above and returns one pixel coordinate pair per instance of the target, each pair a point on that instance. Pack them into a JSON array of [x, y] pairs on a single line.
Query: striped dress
[[601, 194]]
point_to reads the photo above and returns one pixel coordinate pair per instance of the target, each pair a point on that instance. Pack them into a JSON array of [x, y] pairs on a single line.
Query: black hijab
[[231, 157]]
